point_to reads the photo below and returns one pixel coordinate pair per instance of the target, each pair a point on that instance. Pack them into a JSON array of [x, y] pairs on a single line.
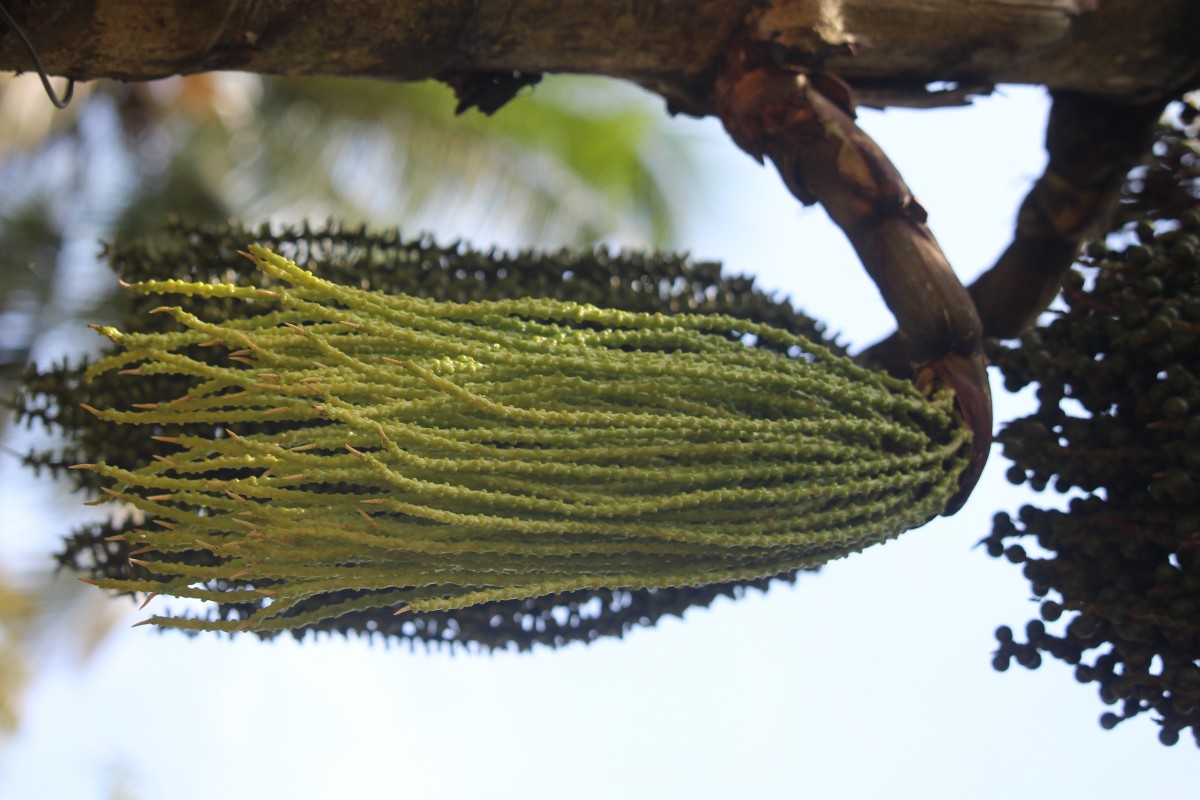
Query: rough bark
[[889, 50]]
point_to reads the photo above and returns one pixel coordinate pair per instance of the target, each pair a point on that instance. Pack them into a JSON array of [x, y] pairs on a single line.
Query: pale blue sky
[[872, 679]]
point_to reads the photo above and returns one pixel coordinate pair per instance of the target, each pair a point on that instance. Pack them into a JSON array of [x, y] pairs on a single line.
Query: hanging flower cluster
[[370, 451]]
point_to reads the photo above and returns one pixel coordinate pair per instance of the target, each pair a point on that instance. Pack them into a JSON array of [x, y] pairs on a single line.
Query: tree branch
[[1092, 143], [1122, 49]]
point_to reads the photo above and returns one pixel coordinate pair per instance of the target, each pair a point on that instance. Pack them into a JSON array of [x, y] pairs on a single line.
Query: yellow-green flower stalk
[[424, 455]]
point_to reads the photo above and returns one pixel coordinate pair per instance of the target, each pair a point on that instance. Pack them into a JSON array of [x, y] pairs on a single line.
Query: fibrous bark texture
[[889, 50]]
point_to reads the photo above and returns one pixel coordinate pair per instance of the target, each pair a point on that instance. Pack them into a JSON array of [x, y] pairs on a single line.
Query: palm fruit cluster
[[383, 261], [1117, 371]]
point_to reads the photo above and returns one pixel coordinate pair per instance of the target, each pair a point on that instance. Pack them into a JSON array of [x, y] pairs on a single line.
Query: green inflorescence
[[383, 261], [401, 452]]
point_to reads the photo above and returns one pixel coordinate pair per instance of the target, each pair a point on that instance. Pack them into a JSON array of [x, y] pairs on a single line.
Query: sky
[[870, 679]]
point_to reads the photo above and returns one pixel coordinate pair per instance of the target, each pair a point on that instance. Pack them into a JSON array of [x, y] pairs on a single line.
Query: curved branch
[[805, 125], [1092, 144]]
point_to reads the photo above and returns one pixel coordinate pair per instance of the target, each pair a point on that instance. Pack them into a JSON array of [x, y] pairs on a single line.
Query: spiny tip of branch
[[247, 340]]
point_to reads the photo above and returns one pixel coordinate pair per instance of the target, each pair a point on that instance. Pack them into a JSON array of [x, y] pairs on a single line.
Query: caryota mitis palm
[[308, 454], [540, 448]]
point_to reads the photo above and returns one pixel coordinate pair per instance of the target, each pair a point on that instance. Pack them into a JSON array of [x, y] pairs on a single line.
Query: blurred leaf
[[16, 612], [390, 151], [29, 241], [30, 120]]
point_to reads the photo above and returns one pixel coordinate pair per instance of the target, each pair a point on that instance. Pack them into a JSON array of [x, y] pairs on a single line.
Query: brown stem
[[1092, 143], [804, 123]]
